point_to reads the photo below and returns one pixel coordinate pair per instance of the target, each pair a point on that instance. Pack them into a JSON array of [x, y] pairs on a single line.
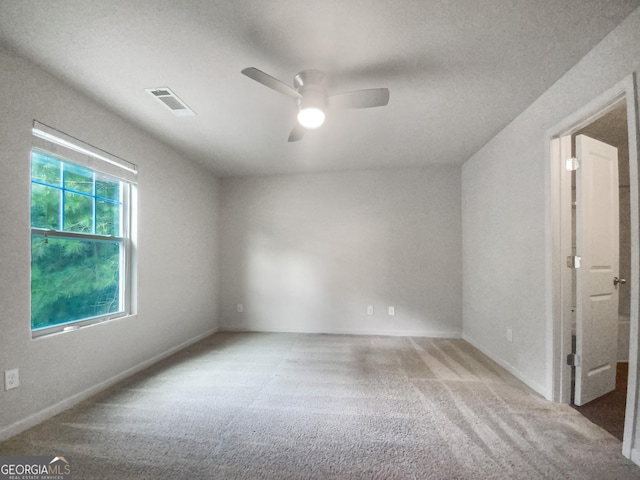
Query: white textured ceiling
[[458, 70]]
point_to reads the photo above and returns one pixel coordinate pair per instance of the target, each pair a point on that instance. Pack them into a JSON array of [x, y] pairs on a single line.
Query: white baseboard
[[389, 333], [53, 410], [541, 389]]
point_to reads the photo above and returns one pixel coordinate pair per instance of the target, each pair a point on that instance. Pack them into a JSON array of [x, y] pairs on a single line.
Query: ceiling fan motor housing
[[312, 85]]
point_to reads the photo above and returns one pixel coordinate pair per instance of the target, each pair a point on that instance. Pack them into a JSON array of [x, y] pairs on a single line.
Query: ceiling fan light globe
[[311, 117]]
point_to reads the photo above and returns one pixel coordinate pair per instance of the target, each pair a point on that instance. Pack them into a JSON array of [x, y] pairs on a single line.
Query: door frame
[[559, 239]]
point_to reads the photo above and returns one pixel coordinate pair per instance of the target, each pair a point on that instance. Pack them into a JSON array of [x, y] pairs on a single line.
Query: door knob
[[620, 281]]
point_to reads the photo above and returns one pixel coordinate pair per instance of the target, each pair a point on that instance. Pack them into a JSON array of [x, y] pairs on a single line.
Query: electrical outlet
[[11, 379], [370, 310], [240, 308], [509, 335], [392, 310]]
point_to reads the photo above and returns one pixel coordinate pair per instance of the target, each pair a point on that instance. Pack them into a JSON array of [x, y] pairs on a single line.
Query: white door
[[597, 232]]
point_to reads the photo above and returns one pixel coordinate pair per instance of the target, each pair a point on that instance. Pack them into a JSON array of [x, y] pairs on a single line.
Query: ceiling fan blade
[[297, 133], [374, 97], [269, 81]]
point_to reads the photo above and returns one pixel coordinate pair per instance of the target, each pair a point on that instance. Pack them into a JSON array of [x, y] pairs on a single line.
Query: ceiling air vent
[[171, 101]]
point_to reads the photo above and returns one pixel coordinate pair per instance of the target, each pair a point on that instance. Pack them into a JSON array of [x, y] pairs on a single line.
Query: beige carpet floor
[[295, 406]]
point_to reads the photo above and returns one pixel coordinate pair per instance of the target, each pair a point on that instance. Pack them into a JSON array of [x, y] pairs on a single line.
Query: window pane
[[78, 213], [107, 218], [45, 207], [73, 279], [44, 168], [78, 178], [107, 189]]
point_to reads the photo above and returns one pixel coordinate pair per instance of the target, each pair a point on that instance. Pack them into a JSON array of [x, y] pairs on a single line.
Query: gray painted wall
[[309, 253], [506, 247], [177, 261]]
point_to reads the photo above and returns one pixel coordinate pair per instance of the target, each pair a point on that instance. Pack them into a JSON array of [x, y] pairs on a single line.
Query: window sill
[[74, 328]]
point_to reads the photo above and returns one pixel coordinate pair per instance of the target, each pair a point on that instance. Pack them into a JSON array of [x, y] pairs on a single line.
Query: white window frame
[[69, 149]]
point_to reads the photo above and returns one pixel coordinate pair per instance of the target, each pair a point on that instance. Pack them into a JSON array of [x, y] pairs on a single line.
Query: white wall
[[309, 253], [505, 245], [177, 251]]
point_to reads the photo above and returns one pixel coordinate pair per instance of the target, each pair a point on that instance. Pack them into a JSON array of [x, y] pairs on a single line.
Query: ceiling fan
[[311, 95]]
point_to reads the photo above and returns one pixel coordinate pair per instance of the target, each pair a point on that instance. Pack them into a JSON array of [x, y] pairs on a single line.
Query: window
[[81, 245]]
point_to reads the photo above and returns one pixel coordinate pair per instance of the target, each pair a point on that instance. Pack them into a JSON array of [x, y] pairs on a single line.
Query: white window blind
[[56, 142]]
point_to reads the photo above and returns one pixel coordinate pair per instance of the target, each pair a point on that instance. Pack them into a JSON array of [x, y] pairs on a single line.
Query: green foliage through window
[[76, 242]]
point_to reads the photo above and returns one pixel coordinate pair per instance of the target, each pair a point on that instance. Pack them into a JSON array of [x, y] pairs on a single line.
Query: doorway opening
[[609, 119], [607, 409]]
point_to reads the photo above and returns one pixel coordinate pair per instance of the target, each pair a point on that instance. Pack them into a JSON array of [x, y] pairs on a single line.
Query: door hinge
[[573, 360], [573, 164], [574, 261]]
